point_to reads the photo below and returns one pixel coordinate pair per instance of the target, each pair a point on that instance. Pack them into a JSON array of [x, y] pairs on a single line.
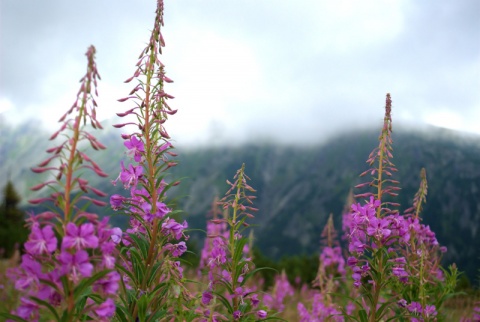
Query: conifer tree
[[12, 223]]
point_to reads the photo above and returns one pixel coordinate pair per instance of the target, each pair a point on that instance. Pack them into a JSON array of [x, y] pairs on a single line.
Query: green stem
[[380, 173], [377, 289], [233, 230], [67, 207], [151, 170]]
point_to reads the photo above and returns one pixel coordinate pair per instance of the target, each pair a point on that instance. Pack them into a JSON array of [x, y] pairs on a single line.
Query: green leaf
[[247, 276], [356, 301], [380, 312], [119, 267], [121, 314], [158, 315], [238, 252], [225, 302], [363, 315], [84, 284], [64, 317], [141, 243], [159, 178], [153, 272], [47, 305], [64, 281], [159, 287], [227, 285], [273, 318], [137, 264], [348, 316], [51, 284], [369, 296], [12, 317], [142, 307]]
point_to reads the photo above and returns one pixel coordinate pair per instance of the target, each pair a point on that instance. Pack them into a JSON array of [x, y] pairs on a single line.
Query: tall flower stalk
[[229, 297], [431, 283], [382, 167], [330, 280], [370, 230], [66, 271], [152, 280], [391, 254]]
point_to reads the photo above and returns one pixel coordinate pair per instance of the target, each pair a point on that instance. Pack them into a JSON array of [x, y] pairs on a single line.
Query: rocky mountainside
[[299, 186]]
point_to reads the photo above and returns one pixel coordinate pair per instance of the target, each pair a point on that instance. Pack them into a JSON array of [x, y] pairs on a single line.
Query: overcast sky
[[247, 69]]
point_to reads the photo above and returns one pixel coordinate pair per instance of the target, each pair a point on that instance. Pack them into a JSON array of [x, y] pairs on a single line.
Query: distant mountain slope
[[299, 186]]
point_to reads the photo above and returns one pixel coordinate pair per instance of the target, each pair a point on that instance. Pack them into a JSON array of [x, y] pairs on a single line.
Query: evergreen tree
[[12, 222]]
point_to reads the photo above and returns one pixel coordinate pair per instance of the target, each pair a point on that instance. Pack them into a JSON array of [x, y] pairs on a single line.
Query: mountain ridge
[[298, 186]]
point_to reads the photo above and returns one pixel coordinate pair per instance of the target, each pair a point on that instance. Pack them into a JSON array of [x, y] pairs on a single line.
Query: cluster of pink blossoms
[[213, 252], [139, 204], [331, 273], [332, 257], [226, 260], [84, 250], [417, 311], [69, 260], [322, 310], [282, 290], [367, 233], [215, 257]]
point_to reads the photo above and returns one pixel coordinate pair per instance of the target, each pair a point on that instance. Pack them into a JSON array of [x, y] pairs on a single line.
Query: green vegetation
[[12, 223]]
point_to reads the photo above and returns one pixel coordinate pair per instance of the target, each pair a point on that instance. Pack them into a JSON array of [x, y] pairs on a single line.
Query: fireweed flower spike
[[216, 232], [228, 266], [330, 279], [280, 293], [152, 284], [423, 252], [381, 166], [370, 232], [64, 266], [391, 255]]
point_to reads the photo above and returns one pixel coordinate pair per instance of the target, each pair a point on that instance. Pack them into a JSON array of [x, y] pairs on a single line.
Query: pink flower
[[116, 201], [174, 228], [162, 210], [130, 176], [76, 264], [430, 310], [108, 284], [116, 235], [261, 314], [379, 228], [107, 249], [135, 147], [41, 241], [400, 272], [206, 298], [30, 273], [177, 250], [27, 308], [80, 237], [218, 256], [415, 308], [254, 299], [106, 309], [237, 315]]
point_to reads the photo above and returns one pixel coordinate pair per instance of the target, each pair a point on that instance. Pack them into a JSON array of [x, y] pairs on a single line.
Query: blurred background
[[289, 71], [296, 90]]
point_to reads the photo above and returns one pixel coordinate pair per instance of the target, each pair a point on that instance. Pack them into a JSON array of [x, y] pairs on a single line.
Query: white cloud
[[250, 68], [5, 104]]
